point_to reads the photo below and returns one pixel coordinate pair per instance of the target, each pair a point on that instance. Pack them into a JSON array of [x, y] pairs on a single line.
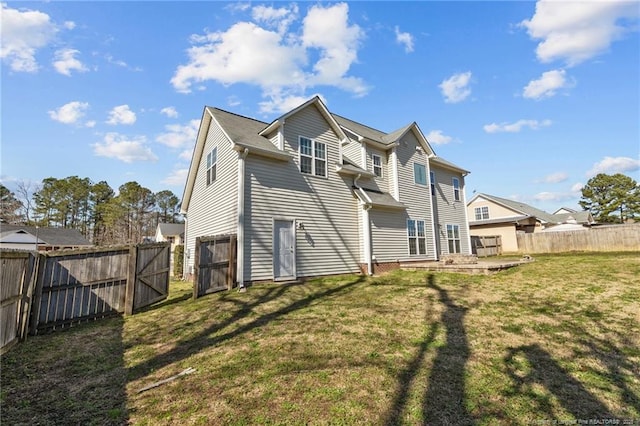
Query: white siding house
[[313, 193]]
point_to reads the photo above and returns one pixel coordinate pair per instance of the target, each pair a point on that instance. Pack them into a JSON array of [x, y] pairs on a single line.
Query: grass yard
[[554, 340]]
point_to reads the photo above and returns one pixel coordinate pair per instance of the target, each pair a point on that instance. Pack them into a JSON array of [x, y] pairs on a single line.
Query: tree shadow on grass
[[204, 339], [444, 400], [531, 365], [42, 384]]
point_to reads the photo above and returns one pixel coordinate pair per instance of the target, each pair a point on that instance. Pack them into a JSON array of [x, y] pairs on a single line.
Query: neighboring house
[[20, 237], [313, 193], [490, 215], [172, 232]]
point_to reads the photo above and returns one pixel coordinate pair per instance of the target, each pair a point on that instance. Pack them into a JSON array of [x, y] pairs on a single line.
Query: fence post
[[27, 295], [34, 316], [196, 269], [231, 271], [131, 280]]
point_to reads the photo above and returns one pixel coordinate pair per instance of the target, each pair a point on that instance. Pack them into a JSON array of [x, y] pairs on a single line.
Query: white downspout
[[366, 230], [466, 215], [240, 230], [185, 252]]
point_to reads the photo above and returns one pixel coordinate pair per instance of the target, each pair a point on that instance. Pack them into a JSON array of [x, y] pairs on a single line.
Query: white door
[[284, 250]]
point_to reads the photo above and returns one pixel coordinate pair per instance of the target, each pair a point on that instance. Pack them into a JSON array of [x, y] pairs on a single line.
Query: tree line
[[93, 208]]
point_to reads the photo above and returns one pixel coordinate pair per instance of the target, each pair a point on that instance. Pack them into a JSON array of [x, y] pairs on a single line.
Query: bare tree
[[24, 191]]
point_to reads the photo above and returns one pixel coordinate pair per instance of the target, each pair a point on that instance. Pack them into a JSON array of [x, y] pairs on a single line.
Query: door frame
[[294, 226]]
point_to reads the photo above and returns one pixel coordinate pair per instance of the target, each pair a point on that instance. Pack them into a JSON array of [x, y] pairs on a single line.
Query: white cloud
[[65, 61], [177, 177], [179, 136], [406, 39], [121, 115], [124, 149], [280, 18], [609, 165], [438, 138], [547, 85], [281, 103], [515, 127], [555, 177], [278, 61], [23, 32], [456, 88], [90, 124], [577, 188], [577, 31], [69, 113], [186, 154], [554, 196], [169, 112]]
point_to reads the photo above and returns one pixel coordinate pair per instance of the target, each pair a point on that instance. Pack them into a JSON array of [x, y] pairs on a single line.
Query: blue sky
[[534, 98]]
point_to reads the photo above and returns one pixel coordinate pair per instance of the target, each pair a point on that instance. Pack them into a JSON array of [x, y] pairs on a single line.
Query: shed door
[[284, 250]]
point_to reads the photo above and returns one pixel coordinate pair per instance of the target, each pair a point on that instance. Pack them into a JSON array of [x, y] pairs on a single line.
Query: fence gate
[[214, 264], [15, 294], [149, 266], [77, 286], [483, 246]]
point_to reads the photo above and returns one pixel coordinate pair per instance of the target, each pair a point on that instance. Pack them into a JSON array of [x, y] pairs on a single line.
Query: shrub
[[178, 259]]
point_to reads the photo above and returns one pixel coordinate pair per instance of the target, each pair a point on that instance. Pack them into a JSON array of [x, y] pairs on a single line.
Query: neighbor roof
[[168, 229], [520, 207], [49, 236]]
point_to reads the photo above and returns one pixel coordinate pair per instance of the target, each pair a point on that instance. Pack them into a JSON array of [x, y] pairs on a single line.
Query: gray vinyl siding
[[213, 208], [329, 242], [382, 182], [353, 151], [448, 211], [389, 235], [415, 197]]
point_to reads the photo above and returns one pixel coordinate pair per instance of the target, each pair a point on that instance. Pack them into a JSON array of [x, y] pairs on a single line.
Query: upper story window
[[482, 212], [212, 162], [456, 189], [419, 174], [313, 157], [432, 181], [377, 165]]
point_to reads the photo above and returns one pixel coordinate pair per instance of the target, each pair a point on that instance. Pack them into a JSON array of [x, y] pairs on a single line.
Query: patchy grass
[[557, 339]]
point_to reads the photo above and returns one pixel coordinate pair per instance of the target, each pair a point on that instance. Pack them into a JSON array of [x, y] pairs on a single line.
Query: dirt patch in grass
[[556, 339]]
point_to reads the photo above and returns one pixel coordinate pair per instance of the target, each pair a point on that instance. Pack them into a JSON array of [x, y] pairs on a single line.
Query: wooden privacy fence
[[72, 286], [483, 246], [214, 264], [15, 291], [600, 238]]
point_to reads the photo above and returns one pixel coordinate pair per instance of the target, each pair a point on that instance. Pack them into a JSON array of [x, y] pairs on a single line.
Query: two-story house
[[313, 193]]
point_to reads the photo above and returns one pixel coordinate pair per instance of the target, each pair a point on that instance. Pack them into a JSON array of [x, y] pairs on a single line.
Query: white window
[[212, 161], [377, 165], [432, 181], [419, 174], [482, 213], [456, 189], [313, 157], [417, 237], [453, 238]]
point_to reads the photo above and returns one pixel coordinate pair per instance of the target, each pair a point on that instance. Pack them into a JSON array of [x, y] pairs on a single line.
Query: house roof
[[378, 198], [448, 165], [48, 236], [520, 207], [580, 217], [169, 229], [513, 219]]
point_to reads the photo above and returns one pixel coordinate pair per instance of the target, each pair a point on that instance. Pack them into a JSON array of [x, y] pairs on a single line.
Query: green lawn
[[556, 339]]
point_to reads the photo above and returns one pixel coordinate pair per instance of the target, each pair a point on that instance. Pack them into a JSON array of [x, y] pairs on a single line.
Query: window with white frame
[[432, 181], [377, 164], [417, 237], [419, 174], [482, 212], [313, 157], [456, 189], [212, 162], [453, 238]]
